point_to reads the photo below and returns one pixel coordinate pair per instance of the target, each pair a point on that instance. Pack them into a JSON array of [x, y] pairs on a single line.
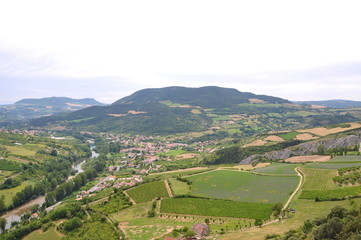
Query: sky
[[298, 50]]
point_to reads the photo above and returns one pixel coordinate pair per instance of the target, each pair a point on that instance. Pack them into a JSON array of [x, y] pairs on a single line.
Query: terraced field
[[243, 186], [147, 192]]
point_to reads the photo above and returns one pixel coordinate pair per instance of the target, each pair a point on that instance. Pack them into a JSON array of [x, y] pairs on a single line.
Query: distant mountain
[[337, 103], [205, 97], [36, 108], [170, 110]]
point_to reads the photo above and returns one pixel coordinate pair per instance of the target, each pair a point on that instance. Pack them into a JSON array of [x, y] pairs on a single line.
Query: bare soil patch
[[305, 136], [116, 115], [258, 142], [187, 155], [274, 138], [312, 158], [321, 131], [135, 112], [247, 166]]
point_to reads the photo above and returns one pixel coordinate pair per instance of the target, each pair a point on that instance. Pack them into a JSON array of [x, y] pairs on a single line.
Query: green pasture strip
[[178, 187], [216, 208], [147, 192], [334, 194]]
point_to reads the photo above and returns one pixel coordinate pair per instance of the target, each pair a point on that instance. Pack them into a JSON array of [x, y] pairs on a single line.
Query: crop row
[[216, 208]]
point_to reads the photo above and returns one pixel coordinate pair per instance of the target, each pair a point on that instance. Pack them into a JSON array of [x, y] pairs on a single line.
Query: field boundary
[[169, 190]]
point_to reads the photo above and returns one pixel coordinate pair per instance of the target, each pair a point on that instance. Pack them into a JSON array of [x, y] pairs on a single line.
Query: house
[[201, 229]]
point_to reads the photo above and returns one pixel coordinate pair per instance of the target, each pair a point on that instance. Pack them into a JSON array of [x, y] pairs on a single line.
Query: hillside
[[36, 108], [339, 103], [173, 110]]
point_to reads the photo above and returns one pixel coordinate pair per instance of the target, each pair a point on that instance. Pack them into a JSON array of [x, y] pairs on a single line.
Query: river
[[15, 214]]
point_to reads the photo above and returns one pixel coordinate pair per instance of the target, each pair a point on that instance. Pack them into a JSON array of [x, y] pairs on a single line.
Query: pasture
[[216, 208], [278, 168], [148, 191], [289, 135], [242, 186], [10, 193], [20, 151], [178, 187], [40, 235]]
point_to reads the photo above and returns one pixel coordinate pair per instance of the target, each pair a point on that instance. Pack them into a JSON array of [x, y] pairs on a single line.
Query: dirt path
[[299, 173], [170, 193]]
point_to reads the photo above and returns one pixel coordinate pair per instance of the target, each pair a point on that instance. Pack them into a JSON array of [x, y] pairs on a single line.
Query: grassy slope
[[51, 234]]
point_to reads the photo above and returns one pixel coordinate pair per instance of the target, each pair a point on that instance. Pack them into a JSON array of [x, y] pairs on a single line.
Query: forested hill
[[206, 97], [35, 108]]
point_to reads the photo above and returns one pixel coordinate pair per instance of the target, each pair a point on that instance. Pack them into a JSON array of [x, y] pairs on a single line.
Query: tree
[[277, 208], [72, 224], [258, 222], [2, 224]]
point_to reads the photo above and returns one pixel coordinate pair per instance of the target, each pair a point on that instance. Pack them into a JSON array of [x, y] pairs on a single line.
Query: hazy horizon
[[300, 51]]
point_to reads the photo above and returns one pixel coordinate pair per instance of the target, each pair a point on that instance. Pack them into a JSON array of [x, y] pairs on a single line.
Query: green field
[[51, 234], [346, 159], [147, 192], [166, 175], [178, 187], [333, 194], [10, 193], [289, 135], [319, 179], [243, 186], [21, 151], [278, 168], [216, 208], [332, 165]]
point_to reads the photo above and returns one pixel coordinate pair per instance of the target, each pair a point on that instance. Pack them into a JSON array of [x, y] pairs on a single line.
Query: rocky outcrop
[[304, 149]]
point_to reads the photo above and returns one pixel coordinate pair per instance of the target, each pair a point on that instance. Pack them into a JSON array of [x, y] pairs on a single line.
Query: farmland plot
[[243, 186], [147, 192], [319, 179], [278, 168], [216, 208]]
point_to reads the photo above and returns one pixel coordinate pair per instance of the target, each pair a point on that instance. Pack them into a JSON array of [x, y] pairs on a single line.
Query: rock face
[[307, 148]]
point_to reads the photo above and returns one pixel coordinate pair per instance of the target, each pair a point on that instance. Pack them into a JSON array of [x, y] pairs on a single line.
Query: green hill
[[36, 108], [173, 110]]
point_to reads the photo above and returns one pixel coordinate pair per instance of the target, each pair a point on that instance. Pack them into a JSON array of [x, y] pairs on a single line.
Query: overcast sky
[[299, 50]]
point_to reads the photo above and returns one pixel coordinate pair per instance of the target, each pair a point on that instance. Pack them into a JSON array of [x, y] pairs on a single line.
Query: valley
[[177, 163]]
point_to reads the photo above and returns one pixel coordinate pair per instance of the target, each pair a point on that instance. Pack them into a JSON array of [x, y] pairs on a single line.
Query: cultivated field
[[319, 179], [216, 208], [255, 143], [312, 158], [21, 151], [147, 192], [274, 138], [333, 165], [346, 159], [305, 137], [243, 186], [322, 131], [278, 168], [334, 194]]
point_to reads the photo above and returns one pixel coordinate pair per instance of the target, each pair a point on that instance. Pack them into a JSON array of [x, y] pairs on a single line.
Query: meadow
[[289, 135], [40, 235], [216, 208], [242, 186], [148, 191], [278, 168], [178, 187]]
